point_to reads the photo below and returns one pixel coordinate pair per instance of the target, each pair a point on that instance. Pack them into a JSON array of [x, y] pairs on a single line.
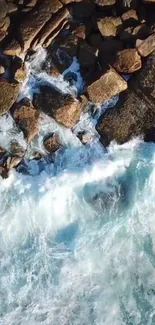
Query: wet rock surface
[[26, 117], [63, 108], [107, 86], [100, 39], [8, 94], [134, 115]]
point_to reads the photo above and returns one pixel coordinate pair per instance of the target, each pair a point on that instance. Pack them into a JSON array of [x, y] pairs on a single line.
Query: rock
[[107, 86], [127, 61], [12, 48], [147, 46], [84, 137], [87, 55], [26, 116], [83, 9], [3, 9], [109, 26], [80, 31], [62, 55], [55, 23], [32, 3], [6, 24], [12, 7], [83, 101], [32, 24], [131, 117], [95, 39], [20, 74], [8, 94], [105, 2], [2, 69], [16, 149], [134, 115], [2, 152], [52, 143], [143, 82], [13, 162], [3, 172], [62, 107], [50, 68], [141, 31], [108, 51], [130, 17]]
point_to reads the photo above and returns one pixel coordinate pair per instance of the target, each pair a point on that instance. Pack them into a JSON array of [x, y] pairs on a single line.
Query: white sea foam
[[77, 239]]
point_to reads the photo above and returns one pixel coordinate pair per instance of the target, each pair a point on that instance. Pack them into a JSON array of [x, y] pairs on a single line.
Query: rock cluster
[[109, 38]]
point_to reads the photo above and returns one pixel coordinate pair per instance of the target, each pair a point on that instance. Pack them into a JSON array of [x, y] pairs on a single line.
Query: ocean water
[[77, 234]]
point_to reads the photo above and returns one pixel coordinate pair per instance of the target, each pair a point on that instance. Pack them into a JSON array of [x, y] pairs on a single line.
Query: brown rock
[[12, 7], [20, 74], [3, 9], [143, 82], [108, 26], [134, 115], [105, 2], [32, 3], [146, 46], [127, 61], [80, 31], [54, 24], [128, 119], [62, 107], [107, 86], [130, 15], [26, 116], [87, 55], [8, 94], [52, 143], [6, 24], [12, 162], [12, 48], [2, 70], [33, 23], [16, 149], [85, 137]]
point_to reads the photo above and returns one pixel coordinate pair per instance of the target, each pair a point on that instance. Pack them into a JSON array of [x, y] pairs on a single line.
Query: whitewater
[[77, 230]]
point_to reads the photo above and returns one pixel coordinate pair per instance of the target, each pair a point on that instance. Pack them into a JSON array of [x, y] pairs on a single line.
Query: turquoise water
[[77, 242]]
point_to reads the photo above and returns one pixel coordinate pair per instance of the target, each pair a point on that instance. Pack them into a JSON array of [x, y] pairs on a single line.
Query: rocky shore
[[112, 43]]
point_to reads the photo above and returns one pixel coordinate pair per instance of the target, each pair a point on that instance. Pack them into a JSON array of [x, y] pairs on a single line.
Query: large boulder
[[52, 27], [8, 94], [107, 86], [135, 113], [131, 117], [32, 24], [26, 117], [109, 26], [62, 107], [127, 61], [147, 46]]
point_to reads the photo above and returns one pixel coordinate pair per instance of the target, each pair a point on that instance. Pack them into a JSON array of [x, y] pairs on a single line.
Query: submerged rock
[[8, 94], [52, 143], [63, 108]]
